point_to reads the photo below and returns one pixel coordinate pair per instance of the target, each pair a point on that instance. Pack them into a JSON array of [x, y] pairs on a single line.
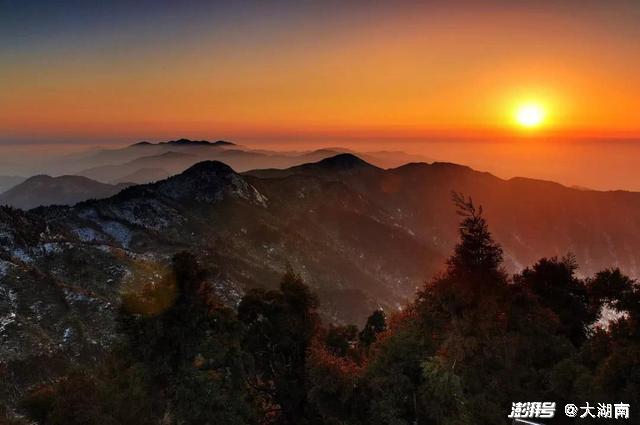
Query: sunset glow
[[260, 73]]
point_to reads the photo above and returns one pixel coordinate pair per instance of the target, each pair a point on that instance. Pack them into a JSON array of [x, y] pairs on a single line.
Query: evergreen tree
[[280, 327], [376, 323], [486, 340], [476, 254], [555, 286], [192, 351]]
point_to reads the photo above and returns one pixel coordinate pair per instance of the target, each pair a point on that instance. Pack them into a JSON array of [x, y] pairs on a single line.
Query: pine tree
[[376, 323], [476, 253], [280, 328]]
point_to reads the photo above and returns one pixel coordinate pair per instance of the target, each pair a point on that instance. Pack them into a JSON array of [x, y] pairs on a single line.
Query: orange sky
[[454, 68]]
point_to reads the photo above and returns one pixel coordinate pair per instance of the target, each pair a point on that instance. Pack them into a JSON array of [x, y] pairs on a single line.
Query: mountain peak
[[344, 161], [223, 143], [440, 167], [38, 178], [336, 166], [186, 142], [207, 169], [209, 181], [450, 165]]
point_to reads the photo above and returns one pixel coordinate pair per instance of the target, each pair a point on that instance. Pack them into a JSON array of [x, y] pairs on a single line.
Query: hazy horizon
[[593, 164]]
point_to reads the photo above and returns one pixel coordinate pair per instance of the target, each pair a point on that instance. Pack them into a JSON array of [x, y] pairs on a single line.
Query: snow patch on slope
[[117, 231], [8, 315]]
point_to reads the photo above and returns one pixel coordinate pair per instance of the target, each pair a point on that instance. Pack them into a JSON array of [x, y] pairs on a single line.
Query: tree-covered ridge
[[474, 340]]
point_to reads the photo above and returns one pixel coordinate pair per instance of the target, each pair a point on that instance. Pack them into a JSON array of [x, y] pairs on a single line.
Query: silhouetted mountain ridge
[[64, 190], [187, 142], [341, 164], [344, 161]]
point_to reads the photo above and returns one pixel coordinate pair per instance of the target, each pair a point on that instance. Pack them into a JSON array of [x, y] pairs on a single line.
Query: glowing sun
[[530, 115]]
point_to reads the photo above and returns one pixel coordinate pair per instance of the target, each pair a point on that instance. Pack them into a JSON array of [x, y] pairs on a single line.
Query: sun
[[530, 115]]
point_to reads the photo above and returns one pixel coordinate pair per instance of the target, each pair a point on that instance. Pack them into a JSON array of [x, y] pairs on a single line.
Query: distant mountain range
[[176, 156], [64, 190], [166, 163], [7, 182], [187, 142], [145, 162], [360, 235]]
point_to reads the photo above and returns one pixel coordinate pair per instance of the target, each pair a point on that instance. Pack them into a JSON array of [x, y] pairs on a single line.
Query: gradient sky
[[126, 70]]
